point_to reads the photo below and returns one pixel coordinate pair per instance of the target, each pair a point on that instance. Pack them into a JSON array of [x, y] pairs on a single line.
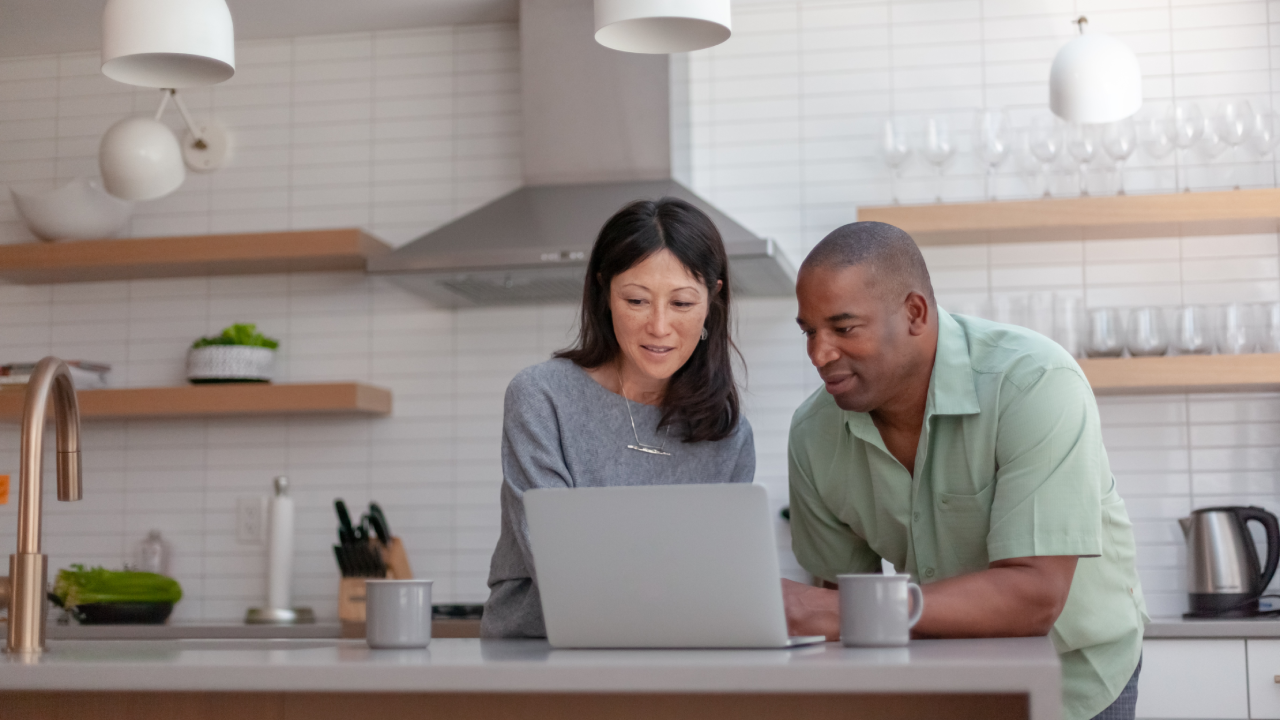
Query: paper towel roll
[[280, 548]]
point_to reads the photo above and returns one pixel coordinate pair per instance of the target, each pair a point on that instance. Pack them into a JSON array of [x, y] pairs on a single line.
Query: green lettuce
[[78, 586]]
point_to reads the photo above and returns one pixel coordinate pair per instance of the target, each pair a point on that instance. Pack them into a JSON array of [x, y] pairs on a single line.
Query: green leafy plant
[[239, 334], [81, 586]]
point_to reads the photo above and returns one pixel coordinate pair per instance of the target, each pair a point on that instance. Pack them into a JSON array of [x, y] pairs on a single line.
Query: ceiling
[[36, 27]]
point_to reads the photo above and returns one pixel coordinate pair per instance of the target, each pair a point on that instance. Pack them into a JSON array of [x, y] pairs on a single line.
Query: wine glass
[[1184, 124], [1082, 144], [1266, 133], [1106, 333], [1069, 323], [1148, 334], [1237, 330], [993, 140], [1155, 142], [1044, 140], [1192, 331], [1233, 124], [896, 151], [938, 146], [1211, 145], [1119, 139]]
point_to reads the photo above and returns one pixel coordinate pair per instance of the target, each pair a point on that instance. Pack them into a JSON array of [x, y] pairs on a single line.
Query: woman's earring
[[704, 332]]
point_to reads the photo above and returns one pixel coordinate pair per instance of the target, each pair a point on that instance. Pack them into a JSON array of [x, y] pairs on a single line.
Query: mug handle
[[917, 604]]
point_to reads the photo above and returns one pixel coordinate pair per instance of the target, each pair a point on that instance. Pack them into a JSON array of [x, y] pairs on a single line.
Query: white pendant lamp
[[1095, 79], [140, 159], [168, 43], [662, 26]]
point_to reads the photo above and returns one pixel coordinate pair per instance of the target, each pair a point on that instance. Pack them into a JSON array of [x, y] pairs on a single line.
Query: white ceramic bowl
[[79, 210], [230, 363]]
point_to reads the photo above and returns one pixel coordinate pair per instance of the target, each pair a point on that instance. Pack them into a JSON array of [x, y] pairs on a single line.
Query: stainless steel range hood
[[601, 129]]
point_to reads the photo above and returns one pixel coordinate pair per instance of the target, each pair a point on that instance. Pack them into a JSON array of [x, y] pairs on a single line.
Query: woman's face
[[659, 309]]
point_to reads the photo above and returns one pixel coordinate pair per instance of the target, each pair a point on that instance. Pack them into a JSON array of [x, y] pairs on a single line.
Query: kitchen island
[[461, 678]]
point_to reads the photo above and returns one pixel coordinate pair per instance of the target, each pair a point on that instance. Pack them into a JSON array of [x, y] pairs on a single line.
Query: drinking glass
[[1211, 145], [993, 140], [1184, 124], [1082, 144], [1106, 333], [1119, 139], [1148, 334], [1040, 313], [1269, 335], [1266, 133], [896, 150], [1155, 142], [1233, 123], [937, 147], [1192, 331], [1069, 323], [1044, 139], [1012, 310], [1236, 334]]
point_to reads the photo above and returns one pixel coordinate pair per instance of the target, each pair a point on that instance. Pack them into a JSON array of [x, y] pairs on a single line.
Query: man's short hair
[[896, 265]]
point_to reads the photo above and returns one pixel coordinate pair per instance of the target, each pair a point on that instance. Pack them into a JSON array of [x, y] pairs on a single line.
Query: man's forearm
[[1012, 598]]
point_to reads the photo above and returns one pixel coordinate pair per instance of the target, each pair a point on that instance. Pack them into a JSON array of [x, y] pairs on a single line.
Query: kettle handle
[[1272, 526]]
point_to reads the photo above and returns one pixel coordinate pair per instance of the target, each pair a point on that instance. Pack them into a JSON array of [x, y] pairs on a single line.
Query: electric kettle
[[1223, 577]]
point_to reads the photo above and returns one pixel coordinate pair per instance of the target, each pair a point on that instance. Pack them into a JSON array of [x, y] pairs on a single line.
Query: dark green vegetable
[[238, 334], [78, 586]]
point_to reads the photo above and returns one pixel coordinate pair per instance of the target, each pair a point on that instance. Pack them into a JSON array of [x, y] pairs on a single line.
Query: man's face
[[857, 339]]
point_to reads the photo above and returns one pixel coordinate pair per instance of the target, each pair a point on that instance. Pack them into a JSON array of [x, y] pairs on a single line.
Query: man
[[966, 453]]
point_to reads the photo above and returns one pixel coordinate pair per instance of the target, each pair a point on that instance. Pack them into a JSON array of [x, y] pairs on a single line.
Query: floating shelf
[[241, 254], [1086, 218], [1183, 373], [219, 400]]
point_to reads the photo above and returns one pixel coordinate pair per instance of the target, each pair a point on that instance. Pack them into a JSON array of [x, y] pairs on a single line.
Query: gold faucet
[[24, 590]]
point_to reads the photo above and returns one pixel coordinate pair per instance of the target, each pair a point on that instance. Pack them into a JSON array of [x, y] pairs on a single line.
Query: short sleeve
[[823, 544], [1051, 469]]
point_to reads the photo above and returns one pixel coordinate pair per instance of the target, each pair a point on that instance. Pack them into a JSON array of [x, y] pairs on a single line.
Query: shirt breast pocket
[[963, 522]]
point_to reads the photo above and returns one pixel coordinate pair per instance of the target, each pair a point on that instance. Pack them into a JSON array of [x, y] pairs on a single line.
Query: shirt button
[[915, 515], [928, 572]]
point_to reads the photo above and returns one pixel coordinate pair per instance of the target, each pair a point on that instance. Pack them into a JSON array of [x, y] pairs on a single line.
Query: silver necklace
[[639, 446]]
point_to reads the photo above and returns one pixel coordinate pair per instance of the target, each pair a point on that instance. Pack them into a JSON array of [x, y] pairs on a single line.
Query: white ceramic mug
[[874, 610], [398, 613]]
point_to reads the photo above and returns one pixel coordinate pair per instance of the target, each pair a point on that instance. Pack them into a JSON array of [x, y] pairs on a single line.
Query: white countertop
[[1176, 627], [1016, 665]]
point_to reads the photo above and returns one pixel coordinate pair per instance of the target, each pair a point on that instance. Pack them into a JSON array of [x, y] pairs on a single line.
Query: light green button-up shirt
[[1010, 464]]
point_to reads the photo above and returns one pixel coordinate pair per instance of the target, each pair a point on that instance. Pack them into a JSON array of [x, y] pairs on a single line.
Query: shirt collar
[[951, 388]]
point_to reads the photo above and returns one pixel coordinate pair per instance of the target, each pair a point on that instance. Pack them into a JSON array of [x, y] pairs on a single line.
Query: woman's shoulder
[[556, 378]]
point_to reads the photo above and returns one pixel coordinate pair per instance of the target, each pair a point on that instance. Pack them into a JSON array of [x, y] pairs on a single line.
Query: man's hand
[[811, 610]]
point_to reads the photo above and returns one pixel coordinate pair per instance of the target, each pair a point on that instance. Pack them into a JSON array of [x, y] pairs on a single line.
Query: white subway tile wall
[[401, 131]]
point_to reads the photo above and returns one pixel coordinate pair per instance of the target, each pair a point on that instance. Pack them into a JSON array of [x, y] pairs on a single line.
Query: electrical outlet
[[251, 519]]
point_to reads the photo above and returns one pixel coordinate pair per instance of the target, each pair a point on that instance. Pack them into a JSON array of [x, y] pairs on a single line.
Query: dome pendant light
[[140, 157], [662, 26], [168, 43], [1095, 79]]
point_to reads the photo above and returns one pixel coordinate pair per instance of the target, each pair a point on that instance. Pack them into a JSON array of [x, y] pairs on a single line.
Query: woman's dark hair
[[701, 395]]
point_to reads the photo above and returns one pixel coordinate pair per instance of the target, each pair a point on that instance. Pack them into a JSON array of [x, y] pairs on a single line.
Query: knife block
[[351, 590]]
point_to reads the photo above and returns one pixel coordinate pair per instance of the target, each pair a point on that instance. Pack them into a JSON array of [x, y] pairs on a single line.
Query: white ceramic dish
[[230, 363], [79, 210]]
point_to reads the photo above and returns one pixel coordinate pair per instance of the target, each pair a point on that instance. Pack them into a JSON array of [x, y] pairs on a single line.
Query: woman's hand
[[811, 610]]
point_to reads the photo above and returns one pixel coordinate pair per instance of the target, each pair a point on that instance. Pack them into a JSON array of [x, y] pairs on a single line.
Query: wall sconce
[[168, 43], [1094, 79], [141, 159], [662, 26]]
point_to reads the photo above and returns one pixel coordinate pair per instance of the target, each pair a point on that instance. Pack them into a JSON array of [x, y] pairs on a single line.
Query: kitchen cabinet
[[1086, 218], [1264, 679], [1194, 679]]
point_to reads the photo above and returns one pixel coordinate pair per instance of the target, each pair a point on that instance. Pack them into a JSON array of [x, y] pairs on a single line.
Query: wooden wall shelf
[[219, 400], [1087, 218], [1183, 374], [241, 254]]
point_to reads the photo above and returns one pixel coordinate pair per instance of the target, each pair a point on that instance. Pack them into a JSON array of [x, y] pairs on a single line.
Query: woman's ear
[[719, 287]]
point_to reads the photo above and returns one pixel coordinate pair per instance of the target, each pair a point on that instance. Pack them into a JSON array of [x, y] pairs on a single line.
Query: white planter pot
[[230, 363]]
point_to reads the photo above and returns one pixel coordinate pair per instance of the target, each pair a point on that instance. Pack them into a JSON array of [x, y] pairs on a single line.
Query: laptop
[[669, 566]]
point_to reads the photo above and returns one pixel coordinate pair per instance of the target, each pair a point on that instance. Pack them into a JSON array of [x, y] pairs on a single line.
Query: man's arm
[[1018, 597]]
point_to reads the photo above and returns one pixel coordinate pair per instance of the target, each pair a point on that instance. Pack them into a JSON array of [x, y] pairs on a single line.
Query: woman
[[646, 397]]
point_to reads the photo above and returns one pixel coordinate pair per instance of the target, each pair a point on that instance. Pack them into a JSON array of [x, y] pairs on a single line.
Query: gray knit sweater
[[560, 428]]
